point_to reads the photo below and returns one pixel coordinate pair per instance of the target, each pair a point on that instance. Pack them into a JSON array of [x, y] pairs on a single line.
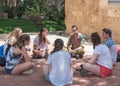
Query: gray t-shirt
[[60, 74]]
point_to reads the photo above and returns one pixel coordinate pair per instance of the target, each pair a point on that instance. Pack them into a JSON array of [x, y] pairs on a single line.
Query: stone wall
[[92, 15]]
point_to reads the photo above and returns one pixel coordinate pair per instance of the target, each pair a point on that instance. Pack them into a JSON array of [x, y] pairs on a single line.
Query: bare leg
[[92, 68], [46, 69], [22, 67]]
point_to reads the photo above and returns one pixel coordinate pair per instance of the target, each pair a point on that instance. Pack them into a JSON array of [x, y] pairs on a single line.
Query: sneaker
[[77, 56], [83, 72]]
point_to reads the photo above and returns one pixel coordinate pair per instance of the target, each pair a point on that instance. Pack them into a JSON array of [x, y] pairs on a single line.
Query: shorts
[[104, 72], [8, 71]]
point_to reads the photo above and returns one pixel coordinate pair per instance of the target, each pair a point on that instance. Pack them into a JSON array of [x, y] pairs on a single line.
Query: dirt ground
[[37, 77]]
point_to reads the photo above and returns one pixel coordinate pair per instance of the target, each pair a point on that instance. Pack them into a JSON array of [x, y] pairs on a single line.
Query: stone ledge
[[3, 36], [62, 33]]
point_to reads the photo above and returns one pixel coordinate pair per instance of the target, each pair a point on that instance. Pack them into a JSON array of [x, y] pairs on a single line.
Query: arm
[[78, 48], [48, 42], [34, 47], [49, 67], [80, 45], [92, 59], [69, 41], [35, 42], [25, 54], [12, 40], [46, 68]]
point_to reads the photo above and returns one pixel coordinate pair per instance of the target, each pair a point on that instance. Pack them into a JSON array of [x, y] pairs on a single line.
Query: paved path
[[37, 78], [52, 37], [88, 47]]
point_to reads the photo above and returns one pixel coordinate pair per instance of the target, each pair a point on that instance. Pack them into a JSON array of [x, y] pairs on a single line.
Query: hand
[[72, 51], [41, 50], [35, 51], [86, 59]]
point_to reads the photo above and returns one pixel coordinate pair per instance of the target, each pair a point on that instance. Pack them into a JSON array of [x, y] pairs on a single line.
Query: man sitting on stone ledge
[[74, 44]]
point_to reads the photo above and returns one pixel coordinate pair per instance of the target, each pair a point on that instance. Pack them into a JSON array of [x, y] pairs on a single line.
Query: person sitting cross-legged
[[58, 71], [110, 43], [100, 63], [40, 44], [74, 44], [18, 60], [12, 38]]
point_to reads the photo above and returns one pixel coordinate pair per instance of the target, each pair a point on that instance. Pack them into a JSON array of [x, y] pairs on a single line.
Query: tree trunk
[[1, 12], [12, 4]]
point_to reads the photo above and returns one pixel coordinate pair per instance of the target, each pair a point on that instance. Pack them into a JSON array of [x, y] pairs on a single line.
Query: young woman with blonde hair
[[14, 35], [12, 38]]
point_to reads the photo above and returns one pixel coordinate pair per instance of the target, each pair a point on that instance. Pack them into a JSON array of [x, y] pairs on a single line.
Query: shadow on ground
[[37, 78]]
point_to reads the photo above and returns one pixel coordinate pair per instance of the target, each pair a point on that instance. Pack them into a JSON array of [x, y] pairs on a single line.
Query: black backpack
[[2, 61], [118, 57]]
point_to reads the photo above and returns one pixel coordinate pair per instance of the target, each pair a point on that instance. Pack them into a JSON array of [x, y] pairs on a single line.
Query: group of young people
[[104, 55], [58, 60], [16, 57]]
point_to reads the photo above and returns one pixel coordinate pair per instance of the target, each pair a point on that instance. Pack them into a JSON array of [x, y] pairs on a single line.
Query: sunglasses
[[74, 30]]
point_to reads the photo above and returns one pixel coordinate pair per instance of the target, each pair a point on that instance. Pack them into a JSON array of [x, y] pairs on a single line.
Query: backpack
[[3, 53], [118, 57], [2, 56], [118, 52]]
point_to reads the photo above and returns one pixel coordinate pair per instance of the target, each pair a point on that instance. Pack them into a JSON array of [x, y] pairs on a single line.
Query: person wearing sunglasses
[[74, 43]]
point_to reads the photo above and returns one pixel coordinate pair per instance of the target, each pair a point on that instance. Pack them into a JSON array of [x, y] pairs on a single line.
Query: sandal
[[82, 71]]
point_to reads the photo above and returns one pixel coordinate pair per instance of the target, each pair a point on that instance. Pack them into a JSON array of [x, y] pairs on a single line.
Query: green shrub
[[7, 25], [53, 25]]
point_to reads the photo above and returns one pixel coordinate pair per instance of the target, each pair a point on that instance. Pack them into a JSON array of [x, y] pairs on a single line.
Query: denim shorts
[[8, 71]]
